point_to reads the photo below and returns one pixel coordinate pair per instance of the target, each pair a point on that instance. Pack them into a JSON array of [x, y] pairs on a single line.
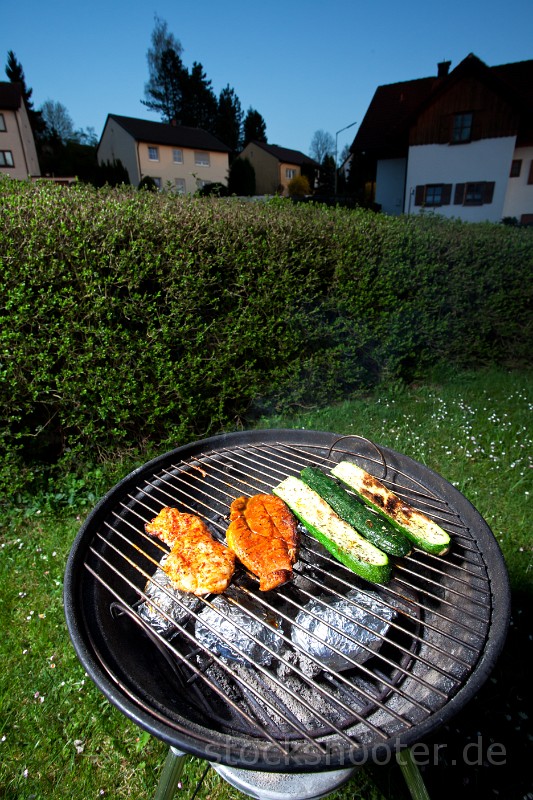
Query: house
[[459, 143], [276, 166], [185, 158], [18, 155]]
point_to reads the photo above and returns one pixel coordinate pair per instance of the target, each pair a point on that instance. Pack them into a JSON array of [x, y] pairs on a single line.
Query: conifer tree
[[254, 128], [15, 74], [228, 127], [164, 88]]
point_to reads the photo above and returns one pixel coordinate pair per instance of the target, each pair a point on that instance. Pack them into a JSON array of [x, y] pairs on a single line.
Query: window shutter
[[459, 194], [488, 191], [446, 194], [419, 195], [476, 130]]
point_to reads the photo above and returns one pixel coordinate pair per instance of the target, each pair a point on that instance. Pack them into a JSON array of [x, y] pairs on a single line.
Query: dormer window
[[462, 128]]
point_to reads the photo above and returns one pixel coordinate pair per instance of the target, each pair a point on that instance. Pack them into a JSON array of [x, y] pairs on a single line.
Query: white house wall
[[116, 144], [390, 185], [485, 160], [519, 197]]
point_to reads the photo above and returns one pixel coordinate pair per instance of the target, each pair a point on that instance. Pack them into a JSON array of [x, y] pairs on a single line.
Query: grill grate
[[292, 702]]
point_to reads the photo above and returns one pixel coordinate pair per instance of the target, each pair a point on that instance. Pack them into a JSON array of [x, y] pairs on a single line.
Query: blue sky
[[303, 65]]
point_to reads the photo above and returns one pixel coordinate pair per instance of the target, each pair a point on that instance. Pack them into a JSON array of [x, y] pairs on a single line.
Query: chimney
[[443, 68]]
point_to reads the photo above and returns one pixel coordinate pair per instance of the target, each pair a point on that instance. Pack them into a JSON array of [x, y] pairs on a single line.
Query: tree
[[113, 173], [241, 179], [254, 127], [228, 125], [299, 186], [345, 154], [326, 185], [58, 121], [322, 145], [164, 88], [87, 136], [198, 104], [15, 73]]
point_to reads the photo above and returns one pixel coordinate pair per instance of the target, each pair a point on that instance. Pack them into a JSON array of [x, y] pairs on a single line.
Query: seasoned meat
[[263, 535], [196, 562]]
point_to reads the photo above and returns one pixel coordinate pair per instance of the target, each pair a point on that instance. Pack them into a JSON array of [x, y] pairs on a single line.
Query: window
[[157, 182], [474, 194], [530, 176], [201, 159], [462, 128], [433, 194], [177, 156], [6, 158], [290, 173], [153, 153], [2, 123], [516, 167], [179, 184]]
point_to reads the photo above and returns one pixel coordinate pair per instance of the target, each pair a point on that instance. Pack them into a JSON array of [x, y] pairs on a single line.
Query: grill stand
[[170, 775], [281, 786]]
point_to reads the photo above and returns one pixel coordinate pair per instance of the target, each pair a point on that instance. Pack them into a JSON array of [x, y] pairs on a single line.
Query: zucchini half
[[420, 529], [339, 538], [375, 528]]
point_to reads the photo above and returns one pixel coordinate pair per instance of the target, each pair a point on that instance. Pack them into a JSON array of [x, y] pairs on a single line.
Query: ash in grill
[[318, 668]]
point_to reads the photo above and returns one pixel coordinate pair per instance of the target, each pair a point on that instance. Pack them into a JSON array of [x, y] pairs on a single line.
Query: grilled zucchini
[[420, 529], [339, 538], [373, 527]]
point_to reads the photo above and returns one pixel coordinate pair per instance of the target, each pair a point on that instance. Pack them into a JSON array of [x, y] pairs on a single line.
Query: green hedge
[[137, 321]]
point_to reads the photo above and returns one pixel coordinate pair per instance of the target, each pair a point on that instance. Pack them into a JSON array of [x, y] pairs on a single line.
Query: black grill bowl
[[445, 648]]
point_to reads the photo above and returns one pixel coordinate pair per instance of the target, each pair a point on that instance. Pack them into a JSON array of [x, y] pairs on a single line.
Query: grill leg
[[411, 773], [170, 775]]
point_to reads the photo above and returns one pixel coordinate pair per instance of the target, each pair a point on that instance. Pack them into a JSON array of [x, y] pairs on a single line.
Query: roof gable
[[473, 68], [173, 135], [396, 107]]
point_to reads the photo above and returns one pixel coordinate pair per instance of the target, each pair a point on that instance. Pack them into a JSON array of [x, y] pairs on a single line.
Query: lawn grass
[[60, 738]]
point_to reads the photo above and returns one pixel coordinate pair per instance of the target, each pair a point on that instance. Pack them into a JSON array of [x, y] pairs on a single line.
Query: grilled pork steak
[[263, 535], [196, 562]]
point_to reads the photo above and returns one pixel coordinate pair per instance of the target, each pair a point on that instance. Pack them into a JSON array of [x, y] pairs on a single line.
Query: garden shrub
[[134, 321]]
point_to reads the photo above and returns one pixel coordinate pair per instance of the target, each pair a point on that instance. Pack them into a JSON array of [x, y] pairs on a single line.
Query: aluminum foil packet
[[231, 643], [163, 597], [336, 626]]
